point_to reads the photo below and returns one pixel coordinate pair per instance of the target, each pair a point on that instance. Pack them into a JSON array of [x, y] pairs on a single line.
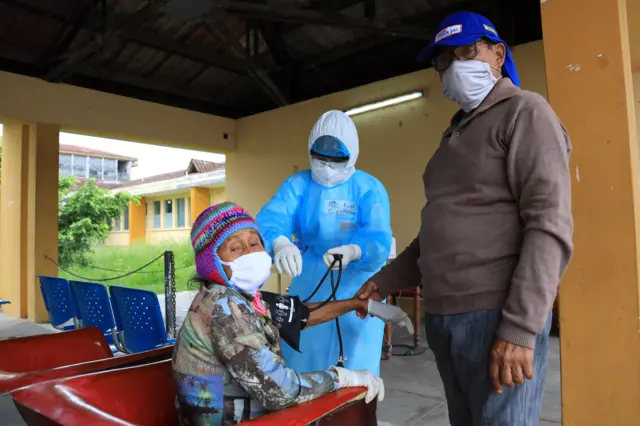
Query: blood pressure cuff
[[289, 314]]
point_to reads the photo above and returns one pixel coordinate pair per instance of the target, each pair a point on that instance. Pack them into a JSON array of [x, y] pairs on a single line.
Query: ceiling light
[[384, 103]]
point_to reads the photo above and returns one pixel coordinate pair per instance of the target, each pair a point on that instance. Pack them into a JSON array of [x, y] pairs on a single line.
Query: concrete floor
[[415, 396], [414, 393]]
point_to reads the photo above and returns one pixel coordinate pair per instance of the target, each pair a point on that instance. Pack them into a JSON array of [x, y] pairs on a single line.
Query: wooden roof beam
[[265, 12], [255, 70], [140, 35]]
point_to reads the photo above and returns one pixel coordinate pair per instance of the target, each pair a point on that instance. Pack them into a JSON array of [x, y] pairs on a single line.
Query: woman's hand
[[358, 378]]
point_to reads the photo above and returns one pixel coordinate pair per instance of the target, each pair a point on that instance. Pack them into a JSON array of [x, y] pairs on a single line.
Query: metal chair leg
[[118, 341]]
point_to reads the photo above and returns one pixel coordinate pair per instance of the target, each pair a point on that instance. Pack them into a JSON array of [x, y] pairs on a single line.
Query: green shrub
[[84, 218]]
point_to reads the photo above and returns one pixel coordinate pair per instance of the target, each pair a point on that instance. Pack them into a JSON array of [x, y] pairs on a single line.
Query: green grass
[[130, 258]]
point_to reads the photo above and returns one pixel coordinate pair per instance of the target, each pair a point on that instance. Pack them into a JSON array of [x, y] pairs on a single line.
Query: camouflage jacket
[[228, 365]]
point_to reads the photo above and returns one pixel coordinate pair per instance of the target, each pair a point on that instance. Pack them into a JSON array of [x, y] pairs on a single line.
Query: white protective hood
[[339, 125]]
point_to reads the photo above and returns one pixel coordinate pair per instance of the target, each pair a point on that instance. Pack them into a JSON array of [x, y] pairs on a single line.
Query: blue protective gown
[[321, 218]]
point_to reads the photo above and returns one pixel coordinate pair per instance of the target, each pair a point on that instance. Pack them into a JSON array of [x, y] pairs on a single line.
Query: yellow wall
[[137, 222], [395, 142], [200, 200], [599, 299], [15, 152], [117, 239], [168, 232], [102, 114], [217, 195], [204, 197]]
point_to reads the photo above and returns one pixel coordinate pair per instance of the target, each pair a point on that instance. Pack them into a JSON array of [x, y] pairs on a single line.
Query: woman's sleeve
[[242, 347], [277, 217], [374, 229]]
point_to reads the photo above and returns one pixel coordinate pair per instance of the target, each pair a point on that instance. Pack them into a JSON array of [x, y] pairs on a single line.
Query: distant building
[[108, 169], [169, 203]]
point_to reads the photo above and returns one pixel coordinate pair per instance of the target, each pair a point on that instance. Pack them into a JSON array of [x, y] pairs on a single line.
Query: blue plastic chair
[[58, 302], [139, 319], [94, 310], [3, 302]]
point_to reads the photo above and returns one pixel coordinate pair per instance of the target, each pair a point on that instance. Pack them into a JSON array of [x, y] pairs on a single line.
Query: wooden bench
[[145, 396]]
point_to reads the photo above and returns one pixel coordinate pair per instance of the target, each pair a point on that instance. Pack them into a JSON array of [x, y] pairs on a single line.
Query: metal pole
[[169, 295]]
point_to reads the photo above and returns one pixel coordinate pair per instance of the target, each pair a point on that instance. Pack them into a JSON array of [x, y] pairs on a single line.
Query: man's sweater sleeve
[[402, 273], [538, 173]]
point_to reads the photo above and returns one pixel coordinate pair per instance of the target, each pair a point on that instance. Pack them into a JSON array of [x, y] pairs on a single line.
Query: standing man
[[495, 235], [331, 209]]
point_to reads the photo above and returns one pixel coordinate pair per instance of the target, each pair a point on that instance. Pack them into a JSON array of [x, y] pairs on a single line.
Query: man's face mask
[[328, 173], [249, 272], [467, 83]]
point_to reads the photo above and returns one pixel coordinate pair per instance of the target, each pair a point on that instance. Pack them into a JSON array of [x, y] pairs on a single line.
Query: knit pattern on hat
[[212, 227]]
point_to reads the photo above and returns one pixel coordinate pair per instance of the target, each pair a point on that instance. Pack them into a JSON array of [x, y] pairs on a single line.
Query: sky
[[152, 159]]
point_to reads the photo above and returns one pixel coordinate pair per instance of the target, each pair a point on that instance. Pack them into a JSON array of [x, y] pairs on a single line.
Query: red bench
[[23, 354], [10, 382], [145, 395], [87, 354]]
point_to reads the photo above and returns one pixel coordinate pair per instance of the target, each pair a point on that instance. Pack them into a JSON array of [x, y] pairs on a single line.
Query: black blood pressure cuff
[[289, 314]]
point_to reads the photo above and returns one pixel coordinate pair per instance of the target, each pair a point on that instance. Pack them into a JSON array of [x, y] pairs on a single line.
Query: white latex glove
[[287, 257], [390, 314], [349, 253], [355, 378]]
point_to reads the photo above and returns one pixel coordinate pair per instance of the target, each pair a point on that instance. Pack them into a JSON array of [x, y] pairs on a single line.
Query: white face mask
[[249, 272], [330, 174], [467, 83]]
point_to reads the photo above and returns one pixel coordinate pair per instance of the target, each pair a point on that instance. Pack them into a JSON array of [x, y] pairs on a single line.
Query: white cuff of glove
[[390, 314], [286, 256], [349, 253], [356, 378]]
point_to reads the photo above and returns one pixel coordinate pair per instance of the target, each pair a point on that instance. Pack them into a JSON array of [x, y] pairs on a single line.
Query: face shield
[[333, 149], [329, 161]]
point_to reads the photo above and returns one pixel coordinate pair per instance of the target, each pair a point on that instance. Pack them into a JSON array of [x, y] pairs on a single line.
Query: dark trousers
[[462, 347]]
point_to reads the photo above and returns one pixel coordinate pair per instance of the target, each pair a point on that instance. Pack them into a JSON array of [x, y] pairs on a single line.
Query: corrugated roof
[[150, 179], [201, 166], [90, 152], [194, 167]]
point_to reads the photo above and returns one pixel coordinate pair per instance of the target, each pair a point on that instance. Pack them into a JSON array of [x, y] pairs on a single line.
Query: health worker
[[331, 209]]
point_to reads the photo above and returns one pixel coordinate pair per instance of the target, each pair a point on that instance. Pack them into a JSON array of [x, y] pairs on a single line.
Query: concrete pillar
[[588, 67], [137, 222], [42, 225], [199, 201], [13, 249]]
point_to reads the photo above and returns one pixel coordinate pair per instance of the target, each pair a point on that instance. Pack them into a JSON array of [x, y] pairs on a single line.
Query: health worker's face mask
[[467, 83], [249, 272], [330, 174]]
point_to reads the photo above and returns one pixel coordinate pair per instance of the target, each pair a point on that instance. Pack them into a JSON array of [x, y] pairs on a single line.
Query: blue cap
[[330, 146], [463, 28]]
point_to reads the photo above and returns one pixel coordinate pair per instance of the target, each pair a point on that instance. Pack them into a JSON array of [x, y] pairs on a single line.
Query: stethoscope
[[337, 258]]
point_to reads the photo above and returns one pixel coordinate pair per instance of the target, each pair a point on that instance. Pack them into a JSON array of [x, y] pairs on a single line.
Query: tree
[[84, 218]]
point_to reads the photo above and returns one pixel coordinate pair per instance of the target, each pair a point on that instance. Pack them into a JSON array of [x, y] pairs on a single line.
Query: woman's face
[[241, 242]]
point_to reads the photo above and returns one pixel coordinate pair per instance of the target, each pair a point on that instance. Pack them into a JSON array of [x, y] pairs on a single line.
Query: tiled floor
[[414, 393]]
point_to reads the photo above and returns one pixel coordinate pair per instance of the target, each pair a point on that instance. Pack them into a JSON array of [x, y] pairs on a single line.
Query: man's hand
[[369, 290], [360, 305], [510, 364]]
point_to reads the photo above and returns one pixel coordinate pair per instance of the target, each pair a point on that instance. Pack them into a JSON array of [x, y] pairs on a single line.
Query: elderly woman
[[227, 363]]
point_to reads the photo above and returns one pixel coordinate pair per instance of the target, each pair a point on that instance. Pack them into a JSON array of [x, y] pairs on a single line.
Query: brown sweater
[[496, 231]]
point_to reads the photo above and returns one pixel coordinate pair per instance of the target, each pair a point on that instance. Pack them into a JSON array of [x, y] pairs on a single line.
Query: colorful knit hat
[[211, 228]]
